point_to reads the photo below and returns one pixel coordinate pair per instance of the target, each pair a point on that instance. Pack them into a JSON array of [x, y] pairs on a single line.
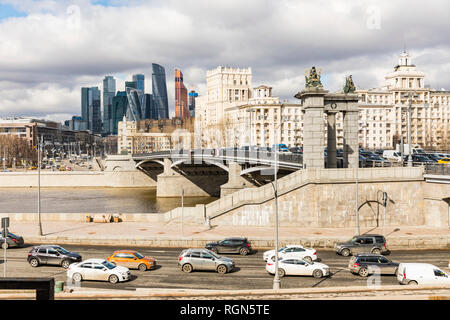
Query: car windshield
[[281, 249], [61, 250], [214, 254], [109, 265], [137, 254], [353, 239]]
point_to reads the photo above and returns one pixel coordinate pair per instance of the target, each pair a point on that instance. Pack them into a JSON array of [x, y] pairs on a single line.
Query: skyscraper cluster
[[132, 102]]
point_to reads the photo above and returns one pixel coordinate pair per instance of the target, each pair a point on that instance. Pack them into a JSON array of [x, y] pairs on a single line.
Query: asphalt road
[[250, 270]]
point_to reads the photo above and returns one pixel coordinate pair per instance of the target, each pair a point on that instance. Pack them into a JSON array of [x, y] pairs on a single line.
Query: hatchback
[[367, 243], [132, 260], [98, 269], [52, 255], [231, 245], [203, 259], [365, 264]]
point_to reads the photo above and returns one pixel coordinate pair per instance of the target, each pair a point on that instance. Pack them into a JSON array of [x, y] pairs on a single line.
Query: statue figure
[[313, 81], [349, 85]]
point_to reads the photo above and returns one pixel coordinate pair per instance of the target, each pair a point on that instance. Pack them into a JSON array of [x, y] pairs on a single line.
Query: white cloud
[[46, 57]]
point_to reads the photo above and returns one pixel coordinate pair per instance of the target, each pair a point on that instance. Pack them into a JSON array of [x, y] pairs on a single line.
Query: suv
[[367, 243], [231, 245], [52, 254], [203, 259], [365, 264]]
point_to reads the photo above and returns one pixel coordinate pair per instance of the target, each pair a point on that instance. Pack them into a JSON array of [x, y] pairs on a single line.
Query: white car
[[98, 269], [421, 273], [293, 251], [298, 267]]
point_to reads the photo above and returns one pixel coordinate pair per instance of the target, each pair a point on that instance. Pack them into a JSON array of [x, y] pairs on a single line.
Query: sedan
[[298, 267], [293, 251], [98, 269], [132, 259]]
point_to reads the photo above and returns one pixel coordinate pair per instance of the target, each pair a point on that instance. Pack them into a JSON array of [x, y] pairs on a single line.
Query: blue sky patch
[[8, 11]]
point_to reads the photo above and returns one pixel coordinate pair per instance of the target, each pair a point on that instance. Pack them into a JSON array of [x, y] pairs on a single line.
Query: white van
[[421, 273], [392, 155]]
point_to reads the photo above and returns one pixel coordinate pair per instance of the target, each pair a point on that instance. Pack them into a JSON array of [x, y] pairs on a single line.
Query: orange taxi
[[132, 260]]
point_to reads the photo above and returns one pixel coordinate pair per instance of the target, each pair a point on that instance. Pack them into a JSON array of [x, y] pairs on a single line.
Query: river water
[[91, 200]]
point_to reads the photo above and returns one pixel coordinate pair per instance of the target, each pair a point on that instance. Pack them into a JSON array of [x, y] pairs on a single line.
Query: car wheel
[[65, 264], [113, 279], [309, 259], [243, 251], [34, 262], [317, 273], [363, 272], [187, 268], [77, 277], [142, 267], [345, 252], [222, 269], [281, 273], [5, 245], [413, 283], [376, 251]]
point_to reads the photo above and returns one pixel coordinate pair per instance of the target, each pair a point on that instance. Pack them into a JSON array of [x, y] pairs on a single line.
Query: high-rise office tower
[[109, 91], [181, 101], [119, 109], [149, 107], [191, 103], [91, 109], [159, 91], [140, 81]]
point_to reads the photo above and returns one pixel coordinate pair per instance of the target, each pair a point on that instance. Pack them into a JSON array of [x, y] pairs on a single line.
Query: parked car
[[434, 157], [298, 267], [293, 251], [98, 269], [12, 241], [367, 243], [52, 255], [231, 245], [392, 155], [444, 160], [204, 259], [368, 263], [375, 160], [420, 158], [132, 260], [421, 273]]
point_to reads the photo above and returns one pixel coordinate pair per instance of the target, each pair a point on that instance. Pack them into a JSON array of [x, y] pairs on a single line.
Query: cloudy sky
[[50, 49]]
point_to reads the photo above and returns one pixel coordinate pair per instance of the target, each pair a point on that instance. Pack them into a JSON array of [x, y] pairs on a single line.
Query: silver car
[[203, 259]]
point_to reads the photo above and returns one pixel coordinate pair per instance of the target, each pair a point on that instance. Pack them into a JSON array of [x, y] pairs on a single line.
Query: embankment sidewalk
[[174, 234]]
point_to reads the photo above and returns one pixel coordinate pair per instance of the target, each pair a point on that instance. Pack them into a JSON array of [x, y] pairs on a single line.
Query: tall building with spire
[[181, 98]]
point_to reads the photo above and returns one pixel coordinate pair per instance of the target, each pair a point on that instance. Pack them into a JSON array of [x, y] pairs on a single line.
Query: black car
[[52, 255], [12, 240], [231, 245], [366, 243], [365, 264]]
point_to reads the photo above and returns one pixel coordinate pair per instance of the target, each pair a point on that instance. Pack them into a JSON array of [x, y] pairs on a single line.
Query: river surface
[[91, 200]]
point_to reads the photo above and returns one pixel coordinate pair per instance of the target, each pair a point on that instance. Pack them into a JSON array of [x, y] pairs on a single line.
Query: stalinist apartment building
[[233, 114], [383, 111]]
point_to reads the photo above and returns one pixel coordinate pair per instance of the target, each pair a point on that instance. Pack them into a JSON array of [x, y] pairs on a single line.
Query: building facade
[[91, 109], [155, 135], [181, 97]]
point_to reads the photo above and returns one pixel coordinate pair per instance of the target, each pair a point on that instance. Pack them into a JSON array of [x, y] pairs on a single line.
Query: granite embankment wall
[[117, 179]]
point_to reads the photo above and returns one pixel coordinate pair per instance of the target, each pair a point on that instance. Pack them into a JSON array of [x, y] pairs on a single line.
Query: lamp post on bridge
[[410, 96]]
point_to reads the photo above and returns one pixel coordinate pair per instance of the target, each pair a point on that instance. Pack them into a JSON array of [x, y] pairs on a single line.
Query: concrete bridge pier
[[235, 181]]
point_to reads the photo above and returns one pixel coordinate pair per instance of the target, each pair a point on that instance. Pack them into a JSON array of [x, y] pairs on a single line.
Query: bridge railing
[[437, 169]]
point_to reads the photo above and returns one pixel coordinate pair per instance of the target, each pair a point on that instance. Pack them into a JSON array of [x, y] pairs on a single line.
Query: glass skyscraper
[[140, 81], [119, 109], [109, 90], [159, 91], [91, 109]]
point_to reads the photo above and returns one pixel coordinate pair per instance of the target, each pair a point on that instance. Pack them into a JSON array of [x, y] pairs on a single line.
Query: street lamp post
[[410, 96], [276, 279], [39, 186]]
